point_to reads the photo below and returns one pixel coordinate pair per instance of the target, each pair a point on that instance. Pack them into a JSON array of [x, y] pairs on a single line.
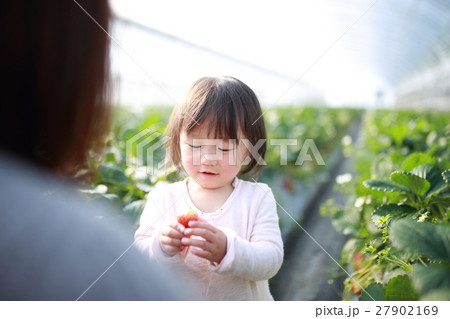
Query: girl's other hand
[[170, 238], [212, 246]]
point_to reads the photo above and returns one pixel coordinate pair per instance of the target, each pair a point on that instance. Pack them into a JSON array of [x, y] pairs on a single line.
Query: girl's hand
[[170, 238], [214, 245]]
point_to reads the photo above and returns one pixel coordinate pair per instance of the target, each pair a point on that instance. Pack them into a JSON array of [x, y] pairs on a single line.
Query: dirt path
[[305, 274]]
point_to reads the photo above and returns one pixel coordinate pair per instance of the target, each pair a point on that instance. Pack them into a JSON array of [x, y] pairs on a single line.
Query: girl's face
[[211, 163]]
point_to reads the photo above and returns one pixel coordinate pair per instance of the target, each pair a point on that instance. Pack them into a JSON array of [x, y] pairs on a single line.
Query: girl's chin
[[212, 184]]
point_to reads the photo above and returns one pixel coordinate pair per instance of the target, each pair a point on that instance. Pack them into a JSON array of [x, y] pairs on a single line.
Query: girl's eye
[[194, 146], [225, 149]]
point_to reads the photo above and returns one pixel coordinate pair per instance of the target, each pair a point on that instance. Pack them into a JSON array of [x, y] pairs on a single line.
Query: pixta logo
[[145, 150]]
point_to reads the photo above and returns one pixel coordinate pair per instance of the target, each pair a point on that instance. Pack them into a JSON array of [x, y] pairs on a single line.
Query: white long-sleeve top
[[254, 245]]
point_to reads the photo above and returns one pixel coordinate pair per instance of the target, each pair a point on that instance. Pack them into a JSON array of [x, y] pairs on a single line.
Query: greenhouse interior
[[367, 81], [355, 100]]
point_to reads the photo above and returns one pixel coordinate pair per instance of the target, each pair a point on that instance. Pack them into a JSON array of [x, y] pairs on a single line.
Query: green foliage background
[[397, 214]]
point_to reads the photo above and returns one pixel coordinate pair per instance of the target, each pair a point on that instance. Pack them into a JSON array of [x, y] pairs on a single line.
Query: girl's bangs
[[218, 122]]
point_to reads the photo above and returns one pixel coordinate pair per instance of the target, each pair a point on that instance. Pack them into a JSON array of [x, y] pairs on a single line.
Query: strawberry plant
[[324, 126], [414, 228], [289, 179], [121, 181], [398, 212]]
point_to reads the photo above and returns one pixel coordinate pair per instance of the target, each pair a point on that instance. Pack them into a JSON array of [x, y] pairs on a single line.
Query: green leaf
[[134, 209], [413, 182], [415, 160], [144, 187], [446, 176], [424, 171], [430, 278], [113, 198], [425, 239], [346, 221], [433, 176], [437, 295], [112, 174], [395, 211], [382, 166], [400, 288], [398, 132], [374, 292], [383, 185], [129, 134], [436, 189], [444, 201]]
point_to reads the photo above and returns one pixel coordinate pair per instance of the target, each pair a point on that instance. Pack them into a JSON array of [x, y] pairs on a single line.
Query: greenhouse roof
[[407, 35], [347, 48]]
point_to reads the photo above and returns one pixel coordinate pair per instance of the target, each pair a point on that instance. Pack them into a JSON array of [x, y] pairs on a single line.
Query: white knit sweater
[[254, 245]]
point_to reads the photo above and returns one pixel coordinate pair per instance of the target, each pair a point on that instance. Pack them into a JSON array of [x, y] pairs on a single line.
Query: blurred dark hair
[[54, 80], [226, 107]]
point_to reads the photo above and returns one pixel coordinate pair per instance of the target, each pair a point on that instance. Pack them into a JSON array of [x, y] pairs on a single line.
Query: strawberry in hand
[[185, 218]]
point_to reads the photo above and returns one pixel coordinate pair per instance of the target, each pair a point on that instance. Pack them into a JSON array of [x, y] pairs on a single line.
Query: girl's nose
[[209, 159]]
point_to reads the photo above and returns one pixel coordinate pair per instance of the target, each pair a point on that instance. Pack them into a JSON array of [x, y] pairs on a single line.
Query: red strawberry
[[184, 219], [356, 289], [288, 184]]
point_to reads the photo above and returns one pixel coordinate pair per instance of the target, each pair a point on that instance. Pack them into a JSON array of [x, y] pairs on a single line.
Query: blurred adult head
[[54, 80]]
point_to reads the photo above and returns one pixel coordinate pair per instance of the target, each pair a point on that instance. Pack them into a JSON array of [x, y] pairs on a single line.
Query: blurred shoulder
[[43, 215]]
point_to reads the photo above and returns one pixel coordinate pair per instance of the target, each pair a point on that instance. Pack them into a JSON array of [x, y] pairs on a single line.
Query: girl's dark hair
[[227, 108], [54, 80]]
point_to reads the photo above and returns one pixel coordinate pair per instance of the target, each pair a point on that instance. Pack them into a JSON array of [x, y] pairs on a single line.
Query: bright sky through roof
[[306, 41]]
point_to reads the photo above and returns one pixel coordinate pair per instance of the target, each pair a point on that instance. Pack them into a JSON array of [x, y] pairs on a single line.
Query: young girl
[[235, 246]]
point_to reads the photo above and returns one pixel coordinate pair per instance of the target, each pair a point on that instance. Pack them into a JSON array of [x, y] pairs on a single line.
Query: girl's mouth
[[209, 173]]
